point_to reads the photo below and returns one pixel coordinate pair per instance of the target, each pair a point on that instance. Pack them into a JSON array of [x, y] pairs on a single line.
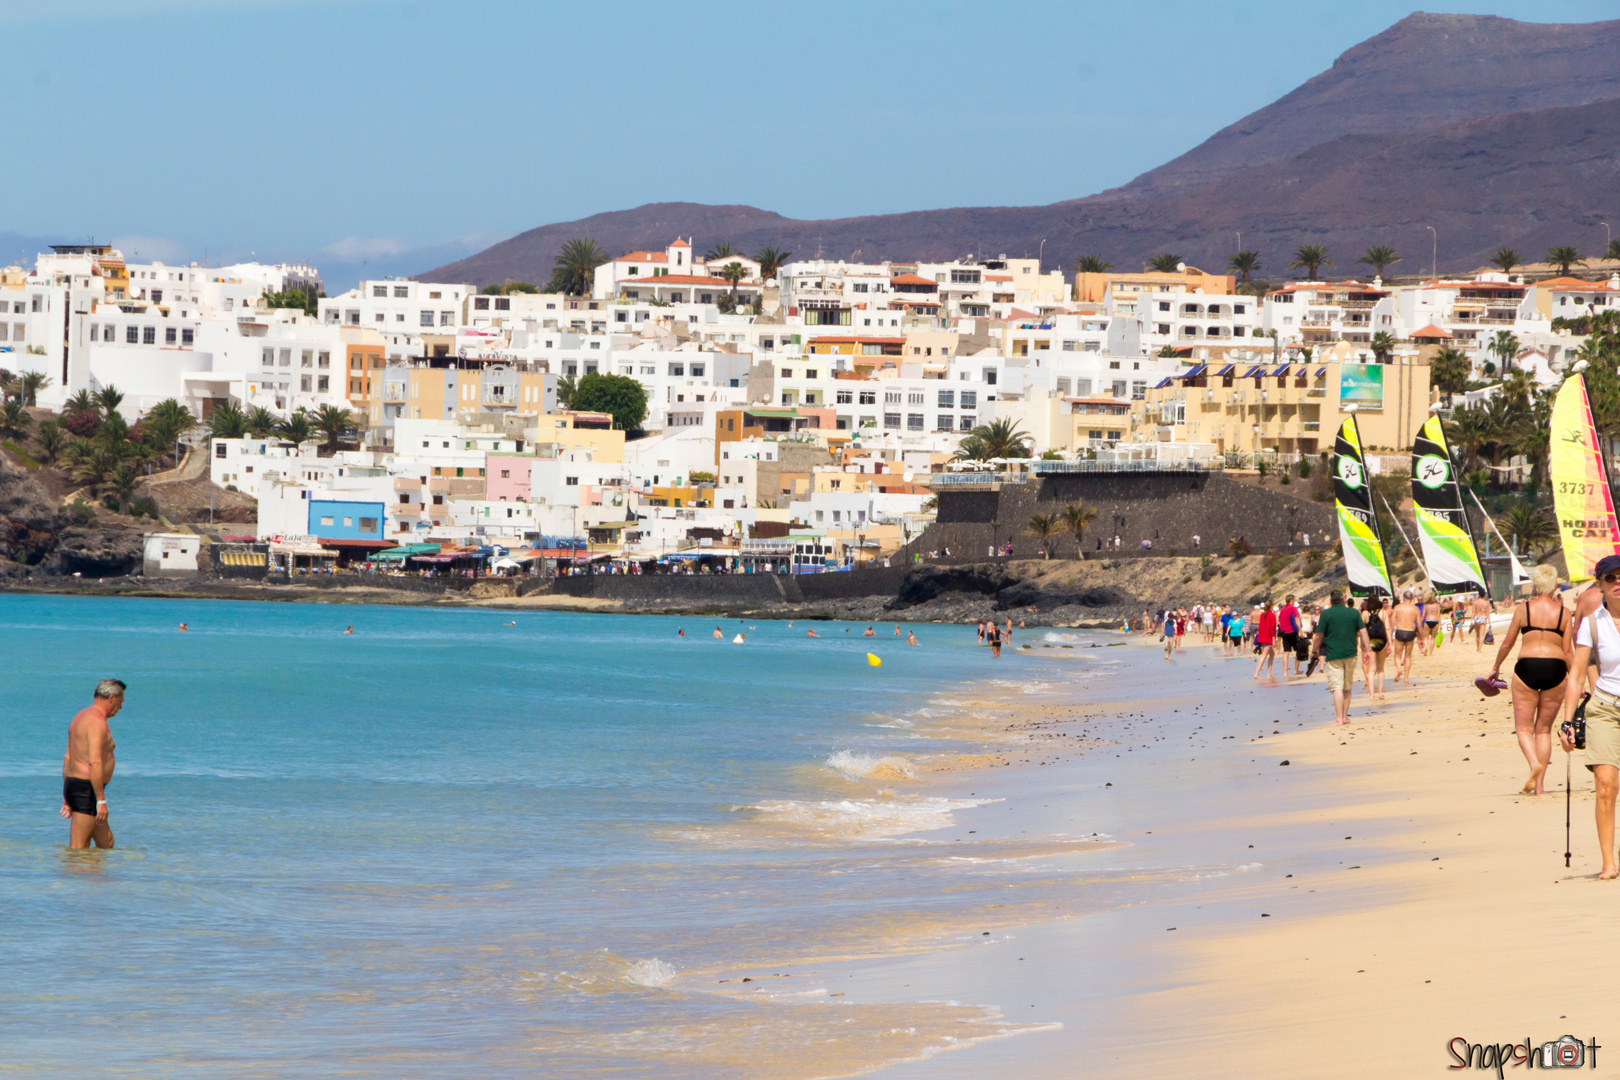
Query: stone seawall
[[726, 590], [1167, 508]]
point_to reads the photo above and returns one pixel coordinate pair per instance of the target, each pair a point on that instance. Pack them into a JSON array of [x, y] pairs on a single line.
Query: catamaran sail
[[1580, 485], [1448, 544], [1364, 561]]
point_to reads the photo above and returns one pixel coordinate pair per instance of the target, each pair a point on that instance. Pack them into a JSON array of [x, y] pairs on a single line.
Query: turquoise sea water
[[441, 846]]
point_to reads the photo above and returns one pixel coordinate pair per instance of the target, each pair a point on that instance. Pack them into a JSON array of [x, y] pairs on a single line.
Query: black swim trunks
[[79, 795], [1290, 640], [1405, 635]]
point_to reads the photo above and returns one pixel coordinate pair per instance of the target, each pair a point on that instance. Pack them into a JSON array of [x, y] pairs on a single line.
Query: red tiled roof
[[912, 279], [683, 279], [680, 243], [1570, 284], [1431, 331]]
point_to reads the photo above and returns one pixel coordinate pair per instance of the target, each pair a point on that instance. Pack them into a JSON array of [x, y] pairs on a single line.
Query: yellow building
[[1092, 288], [573, 430], [1288, 407], [365, 355]]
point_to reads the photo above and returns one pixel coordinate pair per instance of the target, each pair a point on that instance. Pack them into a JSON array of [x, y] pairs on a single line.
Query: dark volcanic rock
[[29, 520], [97, 552], [926, 582], [1027, 594]]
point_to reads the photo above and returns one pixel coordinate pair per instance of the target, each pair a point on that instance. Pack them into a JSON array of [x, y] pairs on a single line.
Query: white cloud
[[356, 247]]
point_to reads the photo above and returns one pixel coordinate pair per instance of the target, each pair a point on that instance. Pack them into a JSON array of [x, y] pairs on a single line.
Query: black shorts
[[1290, 641], [79, 795]]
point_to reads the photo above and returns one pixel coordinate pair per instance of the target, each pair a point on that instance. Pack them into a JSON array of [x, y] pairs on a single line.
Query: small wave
[[650, 973], [867, 767], [863, 819]]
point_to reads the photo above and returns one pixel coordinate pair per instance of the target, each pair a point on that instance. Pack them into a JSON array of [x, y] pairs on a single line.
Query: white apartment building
[[396, 306], [676, 274], [1316, 313]]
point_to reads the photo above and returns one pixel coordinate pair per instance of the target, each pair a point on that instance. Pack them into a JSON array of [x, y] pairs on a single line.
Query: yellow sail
[[1580, 485]]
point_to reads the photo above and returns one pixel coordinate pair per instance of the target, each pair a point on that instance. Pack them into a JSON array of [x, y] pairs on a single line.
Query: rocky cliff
[[36, 536]]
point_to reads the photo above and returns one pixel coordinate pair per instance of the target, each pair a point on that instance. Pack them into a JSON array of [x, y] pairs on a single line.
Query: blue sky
[[391, 137]]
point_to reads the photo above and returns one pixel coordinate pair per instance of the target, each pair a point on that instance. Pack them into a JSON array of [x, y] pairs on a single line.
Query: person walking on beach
[[1288, 630], [1404, 620], [1546, 636], [1169, 632], [1235, 631], [1372, 661], [1482, 620], [1265, 636], [995, 640], [1302, 648], [1597, 635], [1339, 637], [87, 767]]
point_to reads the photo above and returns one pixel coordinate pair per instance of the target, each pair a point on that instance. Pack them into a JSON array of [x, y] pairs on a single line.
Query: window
[[891, 397], [170, 335], [367, 524], [891, 420], [680, 369], [964, 277], [322, 383], [1138, 391], [403, 292], [947, 399], [1119, 388], [868, 397], [1113, 365], [503, 303], [990, 376], [697, 370], [447, 318], [149, 335], [846, 397], [157, 296], [286, 358], [970, 399], [859, 286], [571, 481], [326, 521], [915, 397], [323, 360], [304, 383], [966, 423], [219, 449], [348, 523], [944, 422], [787, 373], [914, 422], [426, 318], [1239, 309]]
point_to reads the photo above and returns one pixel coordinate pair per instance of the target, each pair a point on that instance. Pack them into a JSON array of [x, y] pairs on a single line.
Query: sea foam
[[868, 767]]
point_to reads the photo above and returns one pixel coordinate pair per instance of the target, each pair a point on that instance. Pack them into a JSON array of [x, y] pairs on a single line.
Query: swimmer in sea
[[911, 637], [811, 633], [719, 633], [184, 628], [896, 629], [680, 633], [350, 630], [869, 632], [87, 767]]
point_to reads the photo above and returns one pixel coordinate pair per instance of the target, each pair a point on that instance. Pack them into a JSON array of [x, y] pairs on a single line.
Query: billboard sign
[[1362, 385]]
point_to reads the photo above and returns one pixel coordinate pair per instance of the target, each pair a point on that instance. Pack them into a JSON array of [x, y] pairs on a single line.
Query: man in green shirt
[[1340, 638]]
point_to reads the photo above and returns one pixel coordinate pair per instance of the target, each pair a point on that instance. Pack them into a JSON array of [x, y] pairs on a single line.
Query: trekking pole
[[1566, 811]]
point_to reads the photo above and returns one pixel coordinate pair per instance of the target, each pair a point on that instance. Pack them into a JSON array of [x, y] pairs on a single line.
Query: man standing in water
[[88, 765]]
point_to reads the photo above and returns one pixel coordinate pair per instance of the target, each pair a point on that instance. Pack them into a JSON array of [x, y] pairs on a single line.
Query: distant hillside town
[[666, 401]]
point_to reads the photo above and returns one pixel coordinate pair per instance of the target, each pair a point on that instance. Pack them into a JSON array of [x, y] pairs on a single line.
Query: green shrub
[[83, 513], [1304, 469], [111, 503]]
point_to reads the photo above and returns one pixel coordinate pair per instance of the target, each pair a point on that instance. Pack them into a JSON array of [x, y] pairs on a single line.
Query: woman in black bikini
[[1538, 676]]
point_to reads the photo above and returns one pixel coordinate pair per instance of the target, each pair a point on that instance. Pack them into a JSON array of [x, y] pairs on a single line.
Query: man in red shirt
[[1288, 625]]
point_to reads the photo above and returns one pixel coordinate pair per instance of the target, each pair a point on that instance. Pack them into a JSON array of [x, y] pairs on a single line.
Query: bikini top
[[1529, 626]]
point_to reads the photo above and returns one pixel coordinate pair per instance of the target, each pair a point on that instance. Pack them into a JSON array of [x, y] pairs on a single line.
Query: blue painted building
[[332, 519]]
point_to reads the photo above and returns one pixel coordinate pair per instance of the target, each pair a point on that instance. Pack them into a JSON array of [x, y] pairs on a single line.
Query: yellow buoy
[[874, 659]]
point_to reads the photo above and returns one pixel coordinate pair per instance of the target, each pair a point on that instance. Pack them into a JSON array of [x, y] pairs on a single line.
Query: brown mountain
[[1493, 131]]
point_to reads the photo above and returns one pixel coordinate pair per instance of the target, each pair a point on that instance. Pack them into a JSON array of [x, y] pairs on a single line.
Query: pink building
[[507, 478]]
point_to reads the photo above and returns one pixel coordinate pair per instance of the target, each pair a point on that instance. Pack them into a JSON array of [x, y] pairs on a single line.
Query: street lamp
[[1434, 259], [1608, 236]]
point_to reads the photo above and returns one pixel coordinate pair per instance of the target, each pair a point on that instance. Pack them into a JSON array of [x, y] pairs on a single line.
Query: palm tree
[[1076, 516], [720, 251], [94, 466], [998, 439], [1506, 258], [1467, 431], [164, 424], [50, 438], [113, 433], [296, 428], [732, 273], [332, 422], [1614, 250], [108, 398], [1379, 257], [227, 422], [31, 383], [565, 391], [261, 422], [123, 481], [14, 418], [1529, 526], [1382, 345], [771, 260], [1311, 258], [1502, 421], [80, 403], [1448, 371], [1164, 264], [1245, 263], [1506, 348], [1092, 264], [1564, 256], [575, 269], [1042, 526]]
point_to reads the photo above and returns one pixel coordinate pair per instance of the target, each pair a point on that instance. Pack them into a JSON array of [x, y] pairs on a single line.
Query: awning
[[1255, 372], [305, 552], [1225, 371], [1320, 372], [1194, 372], [329, 542], [1282, 370], [689, 556]]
